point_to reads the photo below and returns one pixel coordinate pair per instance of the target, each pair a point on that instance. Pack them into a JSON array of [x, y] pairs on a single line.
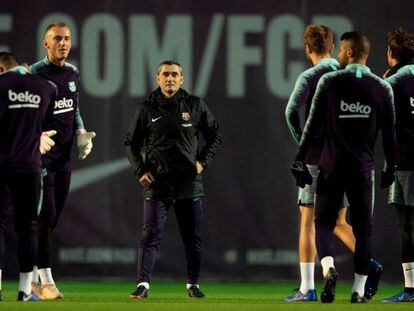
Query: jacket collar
[[397, 67], [157, 98]]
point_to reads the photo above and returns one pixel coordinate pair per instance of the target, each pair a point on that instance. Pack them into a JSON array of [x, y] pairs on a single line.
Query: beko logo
[[412, 101], [64, 105], [24, 97], [357, 110]]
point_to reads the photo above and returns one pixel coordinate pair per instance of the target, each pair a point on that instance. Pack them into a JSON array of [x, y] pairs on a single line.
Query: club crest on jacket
[[186, 116]]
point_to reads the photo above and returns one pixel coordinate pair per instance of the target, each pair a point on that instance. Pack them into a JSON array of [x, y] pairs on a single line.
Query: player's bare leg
[[307, 253], [344, 231], [307, 247]]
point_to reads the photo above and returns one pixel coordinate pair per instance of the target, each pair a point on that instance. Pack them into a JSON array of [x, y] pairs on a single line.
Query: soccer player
[[401, 77], [24, 100], [318, 41], [168, 123], [66, 120], [351, 105]]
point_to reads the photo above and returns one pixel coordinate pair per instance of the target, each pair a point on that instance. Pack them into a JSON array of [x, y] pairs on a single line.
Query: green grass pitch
[[173, 296]]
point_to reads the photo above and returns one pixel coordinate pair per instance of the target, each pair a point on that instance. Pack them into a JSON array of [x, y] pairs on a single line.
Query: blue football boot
[[374, 275], [400, 297], [299, 296], [22, 296]]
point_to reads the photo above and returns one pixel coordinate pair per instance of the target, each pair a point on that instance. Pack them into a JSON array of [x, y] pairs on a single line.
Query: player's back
[[24, 100], [402, 83], [301, 97], [358, 104]]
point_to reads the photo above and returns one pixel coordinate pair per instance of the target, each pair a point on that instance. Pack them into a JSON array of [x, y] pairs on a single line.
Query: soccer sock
[[189, 285], [0, 279], [327, 262], [35, 274], [145, 284], [25, 282], [307, 270], [46, 276], [408, 269], [359, 284]]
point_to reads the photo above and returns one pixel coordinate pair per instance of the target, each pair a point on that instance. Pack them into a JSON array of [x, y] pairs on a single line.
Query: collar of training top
[[397, 67], [20, 69], [358, 69], [327, 61]]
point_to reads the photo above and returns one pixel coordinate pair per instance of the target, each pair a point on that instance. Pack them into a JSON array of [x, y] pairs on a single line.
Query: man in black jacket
[[168, 124]]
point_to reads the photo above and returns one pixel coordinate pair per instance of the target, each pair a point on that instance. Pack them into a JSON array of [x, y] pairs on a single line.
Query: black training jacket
[[163, 139]]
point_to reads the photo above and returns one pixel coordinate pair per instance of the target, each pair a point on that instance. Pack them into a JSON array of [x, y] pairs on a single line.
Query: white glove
[[46, 143], [85, 144]]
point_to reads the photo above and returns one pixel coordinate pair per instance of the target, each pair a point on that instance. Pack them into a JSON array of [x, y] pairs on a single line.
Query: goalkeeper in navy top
[[351, 105], [66, 120], [318, 41], [24, 101], [401, 77], [168, 125]]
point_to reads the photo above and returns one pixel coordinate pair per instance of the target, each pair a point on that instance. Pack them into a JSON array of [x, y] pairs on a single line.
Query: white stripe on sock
[[307, 271], [408, 269], [359, 284], [46, 276], [327, 262], [25, 282]]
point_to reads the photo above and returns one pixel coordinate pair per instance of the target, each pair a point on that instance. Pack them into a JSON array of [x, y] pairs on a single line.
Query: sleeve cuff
[[80, 131]]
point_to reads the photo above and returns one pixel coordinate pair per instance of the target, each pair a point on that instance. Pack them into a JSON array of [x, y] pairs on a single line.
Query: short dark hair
[[169, 62], [401, 44], [319, 38], [55, 24], [8, 59], [359, 43]]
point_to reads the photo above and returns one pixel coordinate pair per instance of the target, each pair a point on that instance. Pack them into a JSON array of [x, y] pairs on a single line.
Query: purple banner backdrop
[[243, 58]]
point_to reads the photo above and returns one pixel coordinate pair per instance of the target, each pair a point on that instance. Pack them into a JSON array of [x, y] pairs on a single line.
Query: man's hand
[[387, 178], [85, 143], [301, 173], [146, 179], [199, 168], [46, 143]]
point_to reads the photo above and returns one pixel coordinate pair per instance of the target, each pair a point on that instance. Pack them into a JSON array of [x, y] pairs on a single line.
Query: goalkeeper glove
[[85, 143], [46, 143]]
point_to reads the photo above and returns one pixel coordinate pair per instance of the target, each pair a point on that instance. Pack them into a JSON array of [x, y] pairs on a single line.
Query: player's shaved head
[[7, 61], [401, 44], [319, 39], [57, 24], [358, 42]]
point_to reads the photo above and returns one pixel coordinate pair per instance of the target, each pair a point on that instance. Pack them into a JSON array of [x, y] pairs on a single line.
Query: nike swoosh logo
[[153, 120], [92, 174], [27, 297], [409, 269]]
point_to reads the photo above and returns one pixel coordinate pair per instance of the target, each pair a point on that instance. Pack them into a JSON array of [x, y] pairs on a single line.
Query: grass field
[[173, 296]]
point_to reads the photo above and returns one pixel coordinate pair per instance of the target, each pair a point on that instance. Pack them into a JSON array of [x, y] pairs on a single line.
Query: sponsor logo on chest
[[356, 110], [412, 104], [63, 105], [23, 100]]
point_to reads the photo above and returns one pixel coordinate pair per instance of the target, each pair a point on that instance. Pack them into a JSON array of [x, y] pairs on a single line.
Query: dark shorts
[[306, 196], [402, 190]]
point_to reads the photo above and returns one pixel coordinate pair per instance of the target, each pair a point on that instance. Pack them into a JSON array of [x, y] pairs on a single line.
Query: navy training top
[[65, 116], [24, 101], [302, 96], [352, 105]]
